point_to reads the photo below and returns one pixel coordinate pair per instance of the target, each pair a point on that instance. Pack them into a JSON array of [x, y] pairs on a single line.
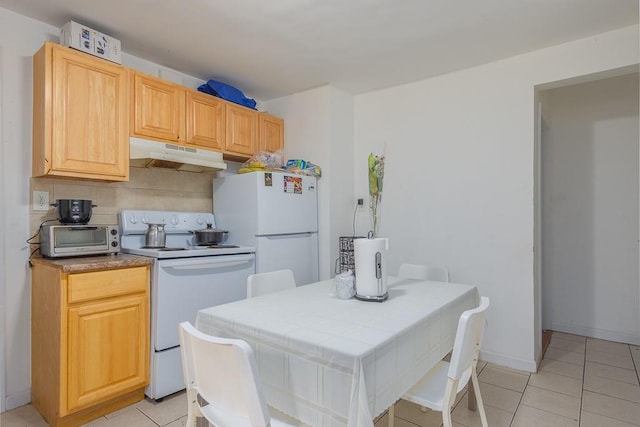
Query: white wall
[[590, 283], [19, 39], [2, 243], [459, 175], [319, 128]]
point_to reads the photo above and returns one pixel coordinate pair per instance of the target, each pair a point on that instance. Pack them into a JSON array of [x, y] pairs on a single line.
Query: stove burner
[[163, 249]]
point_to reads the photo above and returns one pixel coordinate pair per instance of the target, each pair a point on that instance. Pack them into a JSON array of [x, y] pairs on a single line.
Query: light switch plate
[[40, 201]]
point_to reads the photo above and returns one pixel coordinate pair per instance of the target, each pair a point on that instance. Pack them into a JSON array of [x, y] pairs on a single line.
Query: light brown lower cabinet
[[89, 341]]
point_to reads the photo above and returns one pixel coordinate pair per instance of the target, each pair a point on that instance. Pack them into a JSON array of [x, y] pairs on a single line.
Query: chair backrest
[[273, 281], [467, 342], [223, 371], [414, 271]]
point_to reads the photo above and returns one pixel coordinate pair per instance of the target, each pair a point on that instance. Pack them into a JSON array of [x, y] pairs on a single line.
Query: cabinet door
[[242, 131], [271, 133], [205, 120], [108, 349], [157, 108], [89, 117]]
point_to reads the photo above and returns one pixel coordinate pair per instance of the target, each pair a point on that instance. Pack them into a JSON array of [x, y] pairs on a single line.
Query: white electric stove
[[185, 278], [179, 228]]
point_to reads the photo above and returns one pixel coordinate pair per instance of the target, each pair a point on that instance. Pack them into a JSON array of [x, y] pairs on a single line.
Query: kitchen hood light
[[145, 153]]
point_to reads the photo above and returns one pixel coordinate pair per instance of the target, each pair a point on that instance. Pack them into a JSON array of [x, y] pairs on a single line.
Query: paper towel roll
[[371, 268]]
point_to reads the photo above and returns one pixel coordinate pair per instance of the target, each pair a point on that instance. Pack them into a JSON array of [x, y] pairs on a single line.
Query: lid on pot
[[210, 229]]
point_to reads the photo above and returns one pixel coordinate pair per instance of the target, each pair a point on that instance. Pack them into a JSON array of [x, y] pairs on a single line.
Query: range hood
[[146, 153]]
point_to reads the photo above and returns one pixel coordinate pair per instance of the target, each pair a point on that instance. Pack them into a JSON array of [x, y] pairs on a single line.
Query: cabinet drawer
[[108, 283]]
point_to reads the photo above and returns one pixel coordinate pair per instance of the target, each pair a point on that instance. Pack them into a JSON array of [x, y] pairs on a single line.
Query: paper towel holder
[[373, 298], [380, 293]]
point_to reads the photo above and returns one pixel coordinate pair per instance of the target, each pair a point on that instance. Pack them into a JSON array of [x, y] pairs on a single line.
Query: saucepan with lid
[[210, 236]]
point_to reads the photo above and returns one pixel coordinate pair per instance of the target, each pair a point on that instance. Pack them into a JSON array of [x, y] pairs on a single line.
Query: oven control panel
[[136, 221]]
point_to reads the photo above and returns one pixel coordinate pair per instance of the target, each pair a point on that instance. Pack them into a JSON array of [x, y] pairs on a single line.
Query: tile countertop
[[94, 263]]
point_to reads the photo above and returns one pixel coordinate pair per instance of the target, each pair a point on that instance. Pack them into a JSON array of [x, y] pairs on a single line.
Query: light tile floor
[[582, 382]]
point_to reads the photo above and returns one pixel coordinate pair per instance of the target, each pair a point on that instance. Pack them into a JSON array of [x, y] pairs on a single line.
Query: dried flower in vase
[[376, 174]]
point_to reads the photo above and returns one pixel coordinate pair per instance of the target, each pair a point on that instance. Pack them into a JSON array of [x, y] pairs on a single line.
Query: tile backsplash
[[152, 188]]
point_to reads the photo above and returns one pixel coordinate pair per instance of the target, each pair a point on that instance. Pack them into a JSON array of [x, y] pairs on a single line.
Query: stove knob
[[145, 220], [175, 220], [133, 219], [200, 221]]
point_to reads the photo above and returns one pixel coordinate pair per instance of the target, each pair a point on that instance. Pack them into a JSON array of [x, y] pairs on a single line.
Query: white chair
[[414, 271], [438, 388], [273, 281], [222, 372]]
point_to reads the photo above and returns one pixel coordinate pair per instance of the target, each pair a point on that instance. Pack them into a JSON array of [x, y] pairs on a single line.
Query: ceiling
[[273, 48]]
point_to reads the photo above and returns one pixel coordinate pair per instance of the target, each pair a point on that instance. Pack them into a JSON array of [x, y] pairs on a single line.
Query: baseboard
[[17, 399], [508, 361], [602, 334]]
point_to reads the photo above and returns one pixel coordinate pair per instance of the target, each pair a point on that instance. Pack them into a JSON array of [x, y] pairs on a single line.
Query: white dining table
[[332, 362]]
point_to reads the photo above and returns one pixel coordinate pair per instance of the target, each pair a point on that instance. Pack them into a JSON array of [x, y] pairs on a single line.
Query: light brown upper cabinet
[[168, 112], [80, 116], [205, 120], [271, 133], [157, 108], [242, 131]]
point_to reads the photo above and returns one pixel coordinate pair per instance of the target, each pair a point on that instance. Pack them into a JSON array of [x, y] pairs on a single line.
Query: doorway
[[588, 209]]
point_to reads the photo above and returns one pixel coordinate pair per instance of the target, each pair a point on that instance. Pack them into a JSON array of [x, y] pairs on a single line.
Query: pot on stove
[[155, 237], [210, 236]]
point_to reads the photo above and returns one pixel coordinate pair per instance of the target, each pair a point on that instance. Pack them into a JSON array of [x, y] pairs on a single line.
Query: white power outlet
[[40, 200]]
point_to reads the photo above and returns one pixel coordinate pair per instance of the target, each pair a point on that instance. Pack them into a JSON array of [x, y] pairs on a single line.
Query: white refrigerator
[[275, 212]]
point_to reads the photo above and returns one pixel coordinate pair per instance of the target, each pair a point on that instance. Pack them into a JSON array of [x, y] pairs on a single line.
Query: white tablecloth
[[331, 362]]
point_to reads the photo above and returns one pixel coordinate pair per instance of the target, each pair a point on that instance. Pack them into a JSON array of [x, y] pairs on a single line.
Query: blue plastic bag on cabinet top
[[227, 92]]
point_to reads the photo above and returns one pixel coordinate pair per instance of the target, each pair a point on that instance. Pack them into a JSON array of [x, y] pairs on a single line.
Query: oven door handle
[[208, 263]]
